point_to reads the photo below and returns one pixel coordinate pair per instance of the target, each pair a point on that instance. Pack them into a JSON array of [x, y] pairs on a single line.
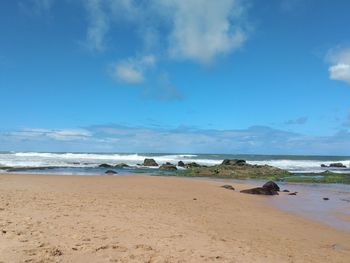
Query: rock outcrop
[[168, 167], [272, 186], [269, 188], [121, 165], [110, 172], [235, 169], [337, 165], [193, 165], [181, 164], [149, 162], [105, 165], [233, 162], [334, 165]]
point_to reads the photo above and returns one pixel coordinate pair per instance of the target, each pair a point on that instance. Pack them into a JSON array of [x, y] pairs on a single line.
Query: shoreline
[[144, 218], [222, 171]]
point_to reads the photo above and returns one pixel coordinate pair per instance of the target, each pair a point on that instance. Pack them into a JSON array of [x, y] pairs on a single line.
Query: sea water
[[75, 163]]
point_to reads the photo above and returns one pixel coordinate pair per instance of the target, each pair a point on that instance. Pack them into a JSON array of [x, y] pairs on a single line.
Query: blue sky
[[228, 76]]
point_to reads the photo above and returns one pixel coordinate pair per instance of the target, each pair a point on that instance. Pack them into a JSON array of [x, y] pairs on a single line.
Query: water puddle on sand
[[310, 203]]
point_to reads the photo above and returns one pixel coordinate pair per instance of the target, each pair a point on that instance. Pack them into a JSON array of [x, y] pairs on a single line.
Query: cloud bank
[[116, 138]]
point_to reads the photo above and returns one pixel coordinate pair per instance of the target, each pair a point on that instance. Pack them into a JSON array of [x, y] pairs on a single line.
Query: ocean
[[87, 163]]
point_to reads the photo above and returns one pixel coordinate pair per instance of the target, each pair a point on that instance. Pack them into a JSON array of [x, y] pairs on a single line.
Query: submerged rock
[[325, 198], [229, 187], [233, 162], [295, 193], [272, 186], [181, 164], [168, 167], [105, 165], [286, 191], [121, 165], [260, 191], [110, 172], [149, 162]]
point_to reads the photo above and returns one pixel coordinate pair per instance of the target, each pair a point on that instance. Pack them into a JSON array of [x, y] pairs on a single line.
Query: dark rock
[[192, 165], [110, 172], [149, 162], [168, 167], [286, 191], [121, 165], [229, 187], [260, 191], [233, 162], [295, 193], [337, 165], [325, 198], [181, 164], [105, 165], [323, 165], [271, 186]]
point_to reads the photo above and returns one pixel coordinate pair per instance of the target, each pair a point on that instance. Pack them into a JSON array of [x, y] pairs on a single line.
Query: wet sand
[[46, 218], [310, 203]]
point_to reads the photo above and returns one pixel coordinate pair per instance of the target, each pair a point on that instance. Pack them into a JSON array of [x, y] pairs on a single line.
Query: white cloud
[[256, 139], [43, 5], [202, 30], [198, 30], [98, 25], [339, 59], [103, 14], [291, 5], [56, 134], [297, 121], [36, 7], [340, 72], [162, 89], [132, 70]]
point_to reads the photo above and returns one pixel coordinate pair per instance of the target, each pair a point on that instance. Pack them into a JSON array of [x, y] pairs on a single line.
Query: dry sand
[[45, 218]]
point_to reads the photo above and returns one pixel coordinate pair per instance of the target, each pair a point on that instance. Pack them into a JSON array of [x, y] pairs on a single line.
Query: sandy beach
[[51, 218]]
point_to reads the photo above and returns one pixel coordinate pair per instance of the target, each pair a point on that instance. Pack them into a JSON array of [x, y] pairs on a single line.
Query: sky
[[195, 76]]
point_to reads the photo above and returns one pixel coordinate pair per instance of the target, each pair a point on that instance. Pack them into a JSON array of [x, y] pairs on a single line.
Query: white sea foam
[[36, 159], [300, 166]]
